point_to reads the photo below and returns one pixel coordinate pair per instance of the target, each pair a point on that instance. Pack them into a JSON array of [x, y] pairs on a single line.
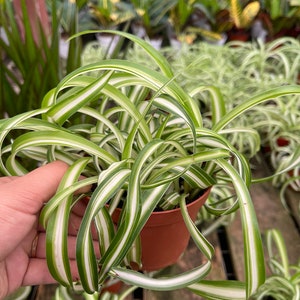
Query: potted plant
[[110, 15], [151, 20], [236, 19], [183, 17], [280, 18], [278, 124], [139, 138]]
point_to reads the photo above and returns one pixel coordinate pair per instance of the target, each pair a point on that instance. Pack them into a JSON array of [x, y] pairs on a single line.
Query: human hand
[[22, 241]]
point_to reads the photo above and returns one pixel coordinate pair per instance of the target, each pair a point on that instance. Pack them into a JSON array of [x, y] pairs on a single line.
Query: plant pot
[[156, 42], [112, 286], [165, 237], [281, 142], [238, 35], [108, 42]]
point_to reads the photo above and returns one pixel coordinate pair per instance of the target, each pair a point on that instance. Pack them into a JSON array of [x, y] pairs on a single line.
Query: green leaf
[[64, 109], [220, 290], [161, 284], [201, 242], [255, 100], [157, 57], [56, 138], [110, 181], [127, 233], [57, 228], [253, 249]]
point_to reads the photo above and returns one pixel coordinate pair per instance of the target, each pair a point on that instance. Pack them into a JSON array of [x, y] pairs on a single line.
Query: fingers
[[29, 192], [35, 188], [7, 179], [37, 272], [41, 247]]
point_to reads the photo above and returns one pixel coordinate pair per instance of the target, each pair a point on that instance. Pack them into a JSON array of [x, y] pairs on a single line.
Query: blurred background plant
[[31, 62], [34, 35], [109, 14], [284, 283], [280, 18]]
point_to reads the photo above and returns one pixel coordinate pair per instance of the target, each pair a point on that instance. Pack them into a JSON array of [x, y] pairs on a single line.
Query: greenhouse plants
[[26, 54], [139, 138], [284, 280]]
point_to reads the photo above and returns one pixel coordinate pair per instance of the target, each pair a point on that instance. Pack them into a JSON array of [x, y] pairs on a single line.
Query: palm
[[20, 203], [17, 265], [22, 251]]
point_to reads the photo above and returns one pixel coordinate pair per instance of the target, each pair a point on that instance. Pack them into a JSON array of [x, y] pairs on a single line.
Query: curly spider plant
[[139, 138]]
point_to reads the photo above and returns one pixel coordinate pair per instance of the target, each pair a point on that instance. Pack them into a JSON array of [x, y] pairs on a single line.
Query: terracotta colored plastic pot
[[165, 237], [112, 287]]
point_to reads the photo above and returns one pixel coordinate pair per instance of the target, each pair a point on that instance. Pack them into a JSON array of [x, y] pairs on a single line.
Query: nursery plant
[[139, 139], [109, 14], [280, 18], [285, 142], [242, 17], [27, 53], [284, 283], [236, 18]]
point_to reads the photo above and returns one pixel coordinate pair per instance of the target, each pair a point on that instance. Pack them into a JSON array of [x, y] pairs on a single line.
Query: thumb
[[28, 193]]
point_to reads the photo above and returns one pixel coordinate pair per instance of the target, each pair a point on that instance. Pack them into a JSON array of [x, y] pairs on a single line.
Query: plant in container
[[110, 15], [190, 20], [236, 20], [151, 20], [183, 15], [284, 152], [277, 60], [139, 138], [278, 124], [280, 18]]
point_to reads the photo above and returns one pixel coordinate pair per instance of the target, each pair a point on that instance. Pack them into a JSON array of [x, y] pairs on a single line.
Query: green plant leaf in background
[[31, 65]]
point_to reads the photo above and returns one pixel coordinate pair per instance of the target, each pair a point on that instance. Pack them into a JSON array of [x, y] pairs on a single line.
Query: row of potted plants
[[27, 52], [236, 71], [189, 20]]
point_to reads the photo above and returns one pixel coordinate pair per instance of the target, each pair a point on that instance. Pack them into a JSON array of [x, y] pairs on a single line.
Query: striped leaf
[[64, 109], [105, 229], [141, 74], [217, 105], [54, 202], [157, 57], [57, 138], [201, 242], [57, 229], [110, 181], [253, 101], [220, 290], [126, 233], [253, 250], [9, 124], [161, 284]]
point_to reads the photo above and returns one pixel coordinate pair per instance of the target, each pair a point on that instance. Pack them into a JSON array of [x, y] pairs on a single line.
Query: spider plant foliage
[[139, 138], [285, 278]]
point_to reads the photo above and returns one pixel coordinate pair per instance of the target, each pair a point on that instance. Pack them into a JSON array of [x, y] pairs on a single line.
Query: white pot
[[108, 42], [155, 42], [64, 48]]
